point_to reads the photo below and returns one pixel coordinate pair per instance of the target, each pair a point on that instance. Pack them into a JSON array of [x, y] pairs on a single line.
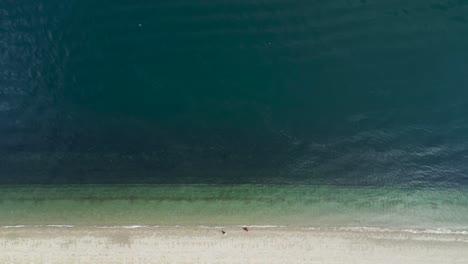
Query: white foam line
[[310, 228], [436, 231], [26, 226], [441, 239], [61, 226], [412, 231], [16, 226], [125, 227], [261, 226], [439, 231]]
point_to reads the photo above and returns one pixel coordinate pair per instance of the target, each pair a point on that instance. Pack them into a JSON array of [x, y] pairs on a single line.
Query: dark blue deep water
[[348, 92]]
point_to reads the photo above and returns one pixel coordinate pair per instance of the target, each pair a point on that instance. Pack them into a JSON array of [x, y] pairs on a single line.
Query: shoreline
[[355, 229], [189, 244]]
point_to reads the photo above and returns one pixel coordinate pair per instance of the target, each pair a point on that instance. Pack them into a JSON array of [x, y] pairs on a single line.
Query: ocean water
[[273, 113], [353, 93]]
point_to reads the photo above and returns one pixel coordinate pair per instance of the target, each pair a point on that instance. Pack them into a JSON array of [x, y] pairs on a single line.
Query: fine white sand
[[207, 245]]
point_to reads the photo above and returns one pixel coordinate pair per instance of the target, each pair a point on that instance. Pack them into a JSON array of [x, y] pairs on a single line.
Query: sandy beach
[[183, 244]]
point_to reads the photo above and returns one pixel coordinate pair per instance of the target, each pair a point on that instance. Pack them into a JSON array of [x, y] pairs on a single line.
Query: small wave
[[61, 226], [309, 228], [412, 231], [35, 226], [126, 227], [437, 231], [262, 226]]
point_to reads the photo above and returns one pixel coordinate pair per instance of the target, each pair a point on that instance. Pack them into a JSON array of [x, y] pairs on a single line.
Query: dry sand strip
[[209, 245]]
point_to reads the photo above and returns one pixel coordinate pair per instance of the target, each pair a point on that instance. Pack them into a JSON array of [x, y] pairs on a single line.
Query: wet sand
[[208, 245]]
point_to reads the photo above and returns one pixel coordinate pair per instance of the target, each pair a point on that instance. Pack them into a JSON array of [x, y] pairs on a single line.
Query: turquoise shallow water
[[215, 205]]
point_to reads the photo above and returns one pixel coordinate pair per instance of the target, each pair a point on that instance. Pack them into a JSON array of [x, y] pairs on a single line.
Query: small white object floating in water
[[139, 25]]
